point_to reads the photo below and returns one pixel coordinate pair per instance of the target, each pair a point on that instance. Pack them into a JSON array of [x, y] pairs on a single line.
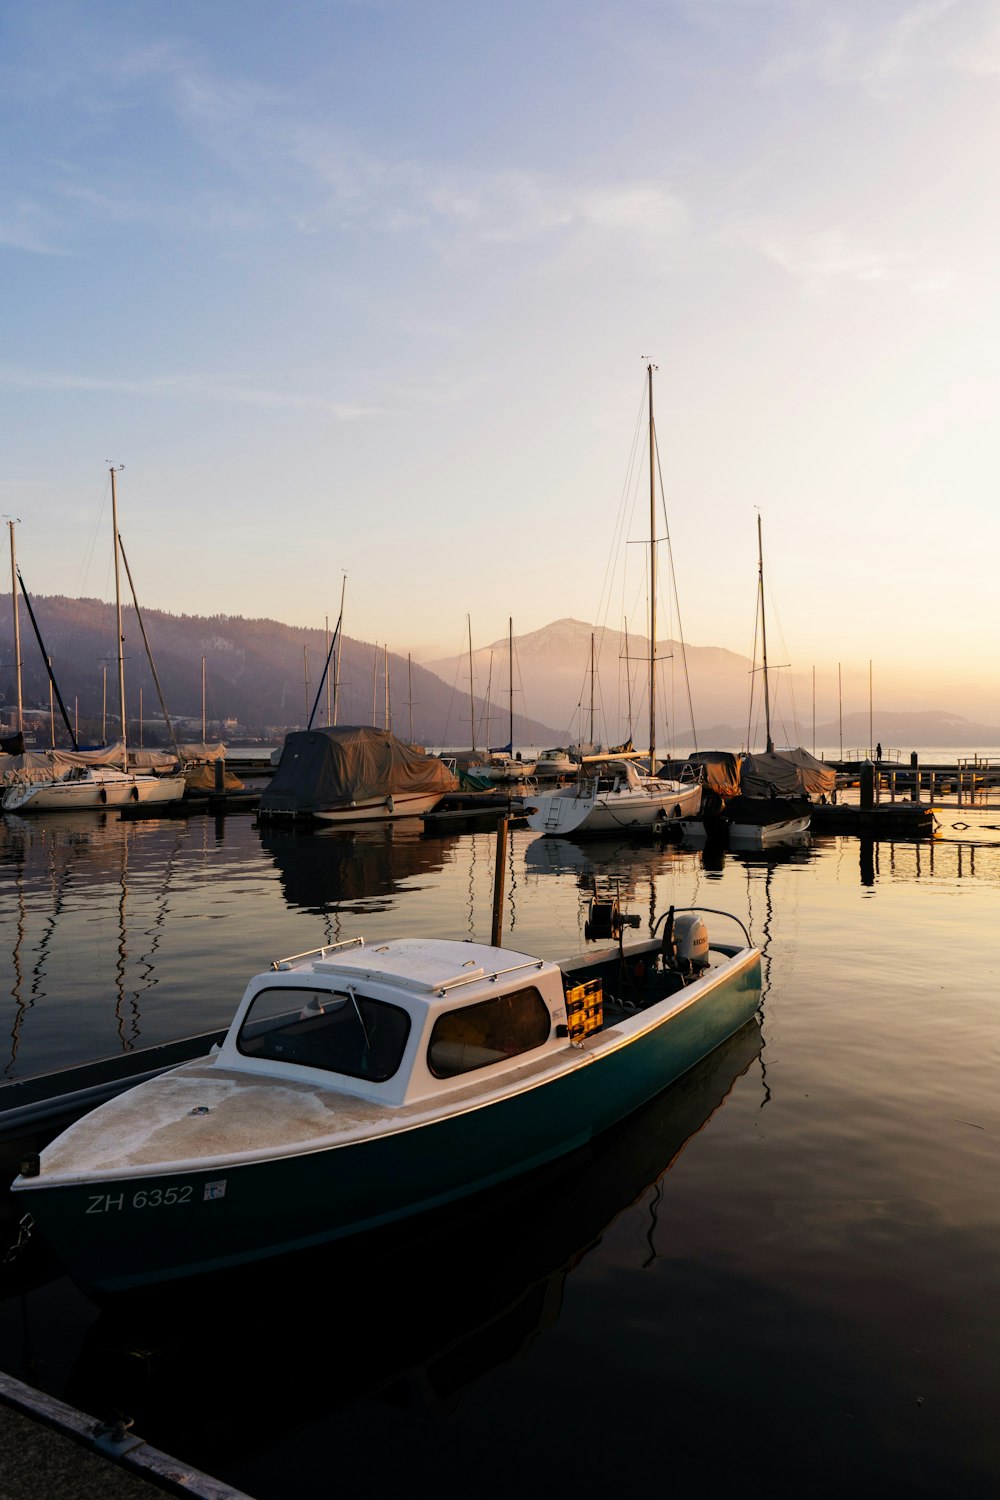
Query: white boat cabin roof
[[426, 966]]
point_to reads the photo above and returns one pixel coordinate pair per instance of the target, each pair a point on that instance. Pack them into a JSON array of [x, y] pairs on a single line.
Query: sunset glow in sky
[[367, 287]]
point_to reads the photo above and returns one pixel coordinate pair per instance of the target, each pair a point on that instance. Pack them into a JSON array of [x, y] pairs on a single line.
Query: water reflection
[[356, 867], [628, 861], [71, 871], [412, 1316]]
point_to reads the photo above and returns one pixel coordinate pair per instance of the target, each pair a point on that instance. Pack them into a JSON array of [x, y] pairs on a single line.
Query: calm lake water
[[784, 1275]]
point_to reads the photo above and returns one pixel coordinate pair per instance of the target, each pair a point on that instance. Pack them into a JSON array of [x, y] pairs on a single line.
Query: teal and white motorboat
[[361, 1085]]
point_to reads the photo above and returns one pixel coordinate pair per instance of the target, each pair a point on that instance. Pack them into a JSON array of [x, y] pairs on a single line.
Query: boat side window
[[473, 1036], [337, 1030]]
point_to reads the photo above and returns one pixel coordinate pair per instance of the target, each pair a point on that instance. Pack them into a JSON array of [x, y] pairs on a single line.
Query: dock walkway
[[50, 1451]]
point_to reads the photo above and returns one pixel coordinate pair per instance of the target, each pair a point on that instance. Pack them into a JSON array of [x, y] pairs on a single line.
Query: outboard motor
[[690, 941]]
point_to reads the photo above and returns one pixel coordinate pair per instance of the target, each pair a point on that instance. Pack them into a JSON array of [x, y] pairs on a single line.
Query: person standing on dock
[[878, 752]]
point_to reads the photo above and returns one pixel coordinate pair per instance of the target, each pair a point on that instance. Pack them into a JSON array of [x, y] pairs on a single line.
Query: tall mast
[[628, 683], [409, 688], [204, 740], [17, 630], [510, 675], [340, 637], [472, 697], [763, 636], [652, 579], [118, 618], [388, 711]]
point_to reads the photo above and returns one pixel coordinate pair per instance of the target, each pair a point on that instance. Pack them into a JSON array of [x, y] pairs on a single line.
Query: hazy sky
[[368, 286]]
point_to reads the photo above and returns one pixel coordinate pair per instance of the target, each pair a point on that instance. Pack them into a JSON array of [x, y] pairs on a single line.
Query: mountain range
[[257, 678]]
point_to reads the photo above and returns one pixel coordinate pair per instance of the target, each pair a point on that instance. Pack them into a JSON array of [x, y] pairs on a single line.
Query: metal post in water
[[498, 880], [915, 764]]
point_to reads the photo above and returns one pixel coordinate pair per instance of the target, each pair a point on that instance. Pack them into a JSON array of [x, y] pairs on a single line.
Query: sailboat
[[612, 795], [773, 805], [81, 780], [503, 765]]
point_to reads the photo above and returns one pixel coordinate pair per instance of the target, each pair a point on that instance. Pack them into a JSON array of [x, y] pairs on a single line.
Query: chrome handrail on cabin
[[454, 984], [294, 958]]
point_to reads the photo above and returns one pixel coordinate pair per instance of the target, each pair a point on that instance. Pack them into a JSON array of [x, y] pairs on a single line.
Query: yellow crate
[[584, 1008]]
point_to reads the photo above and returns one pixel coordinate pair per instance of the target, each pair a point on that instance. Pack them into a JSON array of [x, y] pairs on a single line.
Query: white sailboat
[[612, 794], [503, 765], [80, 782]]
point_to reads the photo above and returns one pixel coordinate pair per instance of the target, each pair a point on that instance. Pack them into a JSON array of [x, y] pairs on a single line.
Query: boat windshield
[[472, 1036], [337, 1030]]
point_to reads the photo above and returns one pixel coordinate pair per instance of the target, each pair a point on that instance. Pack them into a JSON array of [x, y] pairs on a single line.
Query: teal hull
[[130, 1232]]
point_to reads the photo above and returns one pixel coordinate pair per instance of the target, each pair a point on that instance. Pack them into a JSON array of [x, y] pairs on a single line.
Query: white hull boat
[[381, 809], [613, 797], [96, 787], [502, 768], [554, 764], [768, 835]]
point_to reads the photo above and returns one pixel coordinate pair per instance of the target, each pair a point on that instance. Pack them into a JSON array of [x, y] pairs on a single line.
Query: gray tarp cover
[[326, 768], [786, 773], [47, 765]]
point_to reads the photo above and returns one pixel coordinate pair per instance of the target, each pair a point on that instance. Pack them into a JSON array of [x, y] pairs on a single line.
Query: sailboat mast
[[118, 620], [409, 688], [652, 579], [763, 637], [591, 691], [510, 675], [388, 708], [340, 636], [628, 683], [17, 630], [472, 696]]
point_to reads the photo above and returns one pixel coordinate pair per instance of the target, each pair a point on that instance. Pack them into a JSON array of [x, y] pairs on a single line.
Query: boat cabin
[[397, 1022]]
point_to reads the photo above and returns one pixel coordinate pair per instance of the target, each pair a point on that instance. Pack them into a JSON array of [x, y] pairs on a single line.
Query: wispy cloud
[[25, 226], [323, 179], [863, 45], [202, 388], [825, 257]]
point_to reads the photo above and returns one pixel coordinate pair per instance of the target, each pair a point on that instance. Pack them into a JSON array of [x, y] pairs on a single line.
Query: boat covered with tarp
[[786, 773], [718, 770], [353, 774]]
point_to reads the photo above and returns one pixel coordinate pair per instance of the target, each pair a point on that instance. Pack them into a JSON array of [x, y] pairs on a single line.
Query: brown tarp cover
[[720, 768], [321, 769], [786, 773]]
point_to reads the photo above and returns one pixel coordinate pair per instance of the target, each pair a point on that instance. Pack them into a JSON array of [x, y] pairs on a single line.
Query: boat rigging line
[[48, 663], [149, 654]]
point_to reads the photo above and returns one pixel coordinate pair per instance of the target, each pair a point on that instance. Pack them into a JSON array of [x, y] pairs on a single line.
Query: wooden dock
[[884, 820], [216, 804]]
